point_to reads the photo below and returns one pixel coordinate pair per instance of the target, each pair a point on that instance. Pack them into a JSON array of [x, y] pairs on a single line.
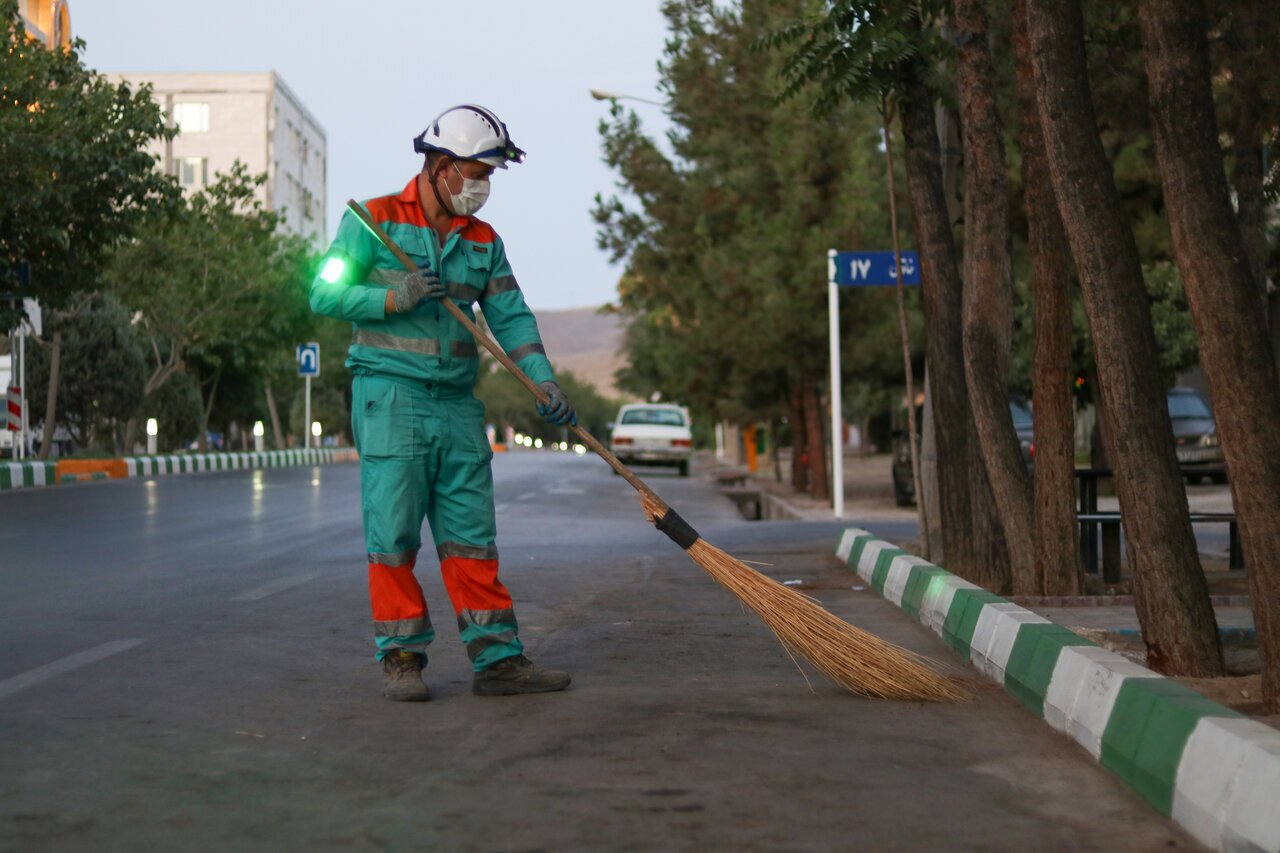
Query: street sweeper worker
[[420, 430]]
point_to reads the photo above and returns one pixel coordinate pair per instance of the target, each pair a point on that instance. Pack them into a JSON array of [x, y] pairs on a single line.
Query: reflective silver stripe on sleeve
[[402, 628], [471, 552], [464, 349], [464, 292], [388, 277], [486, 618], [404, 558], [501, 284], [526, 350], [377, 340]]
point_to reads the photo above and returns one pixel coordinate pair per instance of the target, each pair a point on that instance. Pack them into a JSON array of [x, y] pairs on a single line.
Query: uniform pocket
[[383, 417], [470, 439]]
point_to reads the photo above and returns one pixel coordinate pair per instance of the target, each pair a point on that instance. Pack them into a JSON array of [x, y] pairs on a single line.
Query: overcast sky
[[374, 81]]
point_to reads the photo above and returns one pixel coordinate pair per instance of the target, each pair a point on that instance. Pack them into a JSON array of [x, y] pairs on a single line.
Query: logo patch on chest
[[484, 250]]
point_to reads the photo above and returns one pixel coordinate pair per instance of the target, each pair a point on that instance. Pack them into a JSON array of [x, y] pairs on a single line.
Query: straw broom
[[857, 660]]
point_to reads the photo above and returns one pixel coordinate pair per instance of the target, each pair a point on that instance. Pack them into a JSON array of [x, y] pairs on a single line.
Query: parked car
[[653, 434], [1195, 436], [904, 487]]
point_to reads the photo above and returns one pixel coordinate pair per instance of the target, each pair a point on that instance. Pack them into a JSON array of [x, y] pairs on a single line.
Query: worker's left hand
[[558, 410]]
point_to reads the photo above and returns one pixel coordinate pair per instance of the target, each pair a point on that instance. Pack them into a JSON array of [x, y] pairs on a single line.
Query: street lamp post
[[153, 430], [258, 433]]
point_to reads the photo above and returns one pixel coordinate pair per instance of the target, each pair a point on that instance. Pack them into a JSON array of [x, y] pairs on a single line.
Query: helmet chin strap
[[434, 174]]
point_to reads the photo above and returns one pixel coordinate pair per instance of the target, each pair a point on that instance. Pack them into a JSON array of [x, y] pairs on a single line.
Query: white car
[[653, 434]]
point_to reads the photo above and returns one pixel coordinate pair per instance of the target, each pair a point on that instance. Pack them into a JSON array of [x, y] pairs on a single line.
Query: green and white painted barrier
[[26, 475], [1213, 771], [186, 463]]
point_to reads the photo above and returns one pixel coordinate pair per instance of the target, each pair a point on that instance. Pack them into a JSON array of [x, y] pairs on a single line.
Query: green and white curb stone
[[26, 475], [186, 463], [1213, 771]]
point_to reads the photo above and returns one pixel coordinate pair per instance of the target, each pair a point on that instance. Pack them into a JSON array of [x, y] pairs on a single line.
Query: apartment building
[[254, 118], [47, 21]]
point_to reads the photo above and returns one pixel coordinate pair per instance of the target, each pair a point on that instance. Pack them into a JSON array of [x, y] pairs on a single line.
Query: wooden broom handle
[[505, 360]]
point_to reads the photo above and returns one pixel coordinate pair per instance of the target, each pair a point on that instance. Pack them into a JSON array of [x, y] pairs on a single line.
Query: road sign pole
[[837, 444], [306, 430], [21, 452]]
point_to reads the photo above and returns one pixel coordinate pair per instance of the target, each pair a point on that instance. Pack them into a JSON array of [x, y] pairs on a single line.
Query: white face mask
[[472, 196]]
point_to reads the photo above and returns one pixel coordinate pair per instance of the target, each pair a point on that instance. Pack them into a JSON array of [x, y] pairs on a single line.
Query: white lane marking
[[526, 496], [566, 490], [278, 585], [68, 664]]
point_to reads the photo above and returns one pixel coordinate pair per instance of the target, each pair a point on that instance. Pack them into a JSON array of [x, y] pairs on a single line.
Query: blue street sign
[[309, 359], [857, 269]]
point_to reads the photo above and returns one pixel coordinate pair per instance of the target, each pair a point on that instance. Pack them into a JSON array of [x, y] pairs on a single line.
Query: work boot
[[513, 675], [403, 677]]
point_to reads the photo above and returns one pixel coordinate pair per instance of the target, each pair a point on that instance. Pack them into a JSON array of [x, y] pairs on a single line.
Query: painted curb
[[1213, 771], [20, 475], [26, 475], [188, 463]]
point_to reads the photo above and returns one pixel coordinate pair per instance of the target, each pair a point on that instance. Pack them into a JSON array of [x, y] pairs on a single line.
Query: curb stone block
[[1206, 788], [868, 552], [884, 560], [921, 589], [1083, 690], [845, 546], [899, 576], [937, 601], [962, 618], [1251, 820], [1149, 726], [994, 636], [1033, 659]]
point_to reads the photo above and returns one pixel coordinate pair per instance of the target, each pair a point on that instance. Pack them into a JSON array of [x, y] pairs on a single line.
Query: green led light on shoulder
[[333, 269]]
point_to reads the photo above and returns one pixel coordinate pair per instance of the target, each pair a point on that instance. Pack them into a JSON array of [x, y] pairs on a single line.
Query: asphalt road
[[186, 663]]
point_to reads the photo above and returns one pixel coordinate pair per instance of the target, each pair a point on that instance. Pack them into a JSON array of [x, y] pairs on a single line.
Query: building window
[[193, 172], [191, 117]]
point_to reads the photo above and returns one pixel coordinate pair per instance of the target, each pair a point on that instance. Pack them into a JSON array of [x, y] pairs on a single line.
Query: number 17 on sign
[[308, 367]]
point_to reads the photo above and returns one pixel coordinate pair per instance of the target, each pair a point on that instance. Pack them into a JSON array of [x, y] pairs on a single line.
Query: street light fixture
[[153, 429], [605, 95], [258, 433]]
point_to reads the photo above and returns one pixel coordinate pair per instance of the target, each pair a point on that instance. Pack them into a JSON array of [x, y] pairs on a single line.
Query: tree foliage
[[102, 367], [217, 286], [725, 236], [75, 174]]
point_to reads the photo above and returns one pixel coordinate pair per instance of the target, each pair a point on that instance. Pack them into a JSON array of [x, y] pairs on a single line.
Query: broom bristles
[[855, 659]]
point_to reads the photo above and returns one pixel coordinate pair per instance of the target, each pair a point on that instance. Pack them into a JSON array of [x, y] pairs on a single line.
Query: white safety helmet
[[468, 132]]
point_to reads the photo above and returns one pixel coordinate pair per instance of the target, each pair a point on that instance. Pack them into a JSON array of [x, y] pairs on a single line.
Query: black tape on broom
[[677, 529]]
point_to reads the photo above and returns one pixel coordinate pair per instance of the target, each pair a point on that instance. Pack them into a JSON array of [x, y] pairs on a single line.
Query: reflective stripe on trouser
[[422, 456]]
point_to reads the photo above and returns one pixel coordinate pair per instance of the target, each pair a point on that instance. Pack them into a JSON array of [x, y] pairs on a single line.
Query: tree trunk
[[1223, 297], [988, 294], [276, 434], [929, 475], [944, 348], [130, 434], [1172, 597], [51, 399], [818, 479], [991, 557], [1057, 550]]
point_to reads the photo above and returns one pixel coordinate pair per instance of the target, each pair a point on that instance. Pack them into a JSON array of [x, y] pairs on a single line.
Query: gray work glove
[[558, 410], [423, 284]]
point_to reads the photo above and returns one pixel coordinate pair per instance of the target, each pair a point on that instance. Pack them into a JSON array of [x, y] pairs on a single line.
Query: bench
[[1109, 523], [747, 499], [731, 478]]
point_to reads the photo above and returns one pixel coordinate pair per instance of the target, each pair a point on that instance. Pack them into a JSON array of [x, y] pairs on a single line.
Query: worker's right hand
[[423, 284]]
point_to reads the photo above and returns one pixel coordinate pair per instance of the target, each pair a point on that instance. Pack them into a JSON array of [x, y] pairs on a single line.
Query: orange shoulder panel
[[391, 208], [478, 231]]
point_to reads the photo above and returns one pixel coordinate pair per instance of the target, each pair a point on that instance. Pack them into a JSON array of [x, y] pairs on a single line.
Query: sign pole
[[837, 444], [22, 384], [306, 430]]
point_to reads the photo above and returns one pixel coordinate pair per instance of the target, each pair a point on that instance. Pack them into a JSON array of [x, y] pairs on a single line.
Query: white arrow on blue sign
[[309, 359], [857, 269]]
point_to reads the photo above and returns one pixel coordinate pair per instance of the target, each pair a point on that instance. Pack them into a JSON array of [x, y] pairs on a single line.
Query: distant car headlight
[[1209, 439]]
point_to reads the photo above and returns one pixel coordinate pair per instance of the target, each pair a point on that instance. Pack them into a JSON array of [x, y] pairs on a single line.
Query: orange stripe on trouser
[[395, 594], [474, 585]]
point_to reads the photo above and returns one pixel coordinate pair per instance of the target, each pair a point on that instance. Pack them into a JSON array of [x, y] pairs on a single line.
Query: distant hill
[[585, 343]]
